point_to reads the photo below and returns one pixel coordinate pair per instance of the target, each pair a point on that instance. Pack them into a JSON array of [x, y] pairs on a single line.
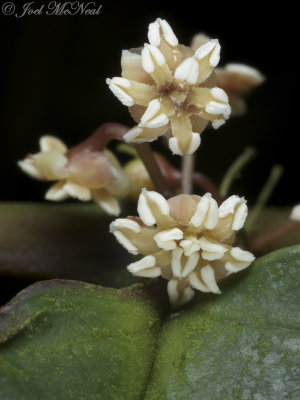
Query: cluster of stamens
[[171, 89], [186, 240]]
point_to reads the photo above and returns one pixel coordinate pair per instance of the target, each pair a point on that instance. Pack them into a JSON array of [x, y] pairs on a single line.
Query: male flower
[[80, 173], [170, 88], [187, 240]]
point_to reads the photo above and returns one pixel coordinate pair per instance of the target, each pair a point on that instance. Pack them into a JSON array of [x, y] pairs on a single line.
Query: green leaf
[[69, 340], [69, 241], [243, 344]]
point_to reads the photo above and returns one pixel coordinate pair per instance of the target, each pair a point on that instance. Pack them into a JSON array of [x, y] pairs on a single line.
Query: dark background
[[53, 81], [53, 71]]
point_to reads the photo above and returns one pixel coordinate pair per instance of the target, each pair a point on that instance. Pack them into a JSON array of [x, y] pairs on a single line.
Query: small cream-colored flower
[[295, 214], [85, 175], [236, 79], [188, 240], [169, 87]]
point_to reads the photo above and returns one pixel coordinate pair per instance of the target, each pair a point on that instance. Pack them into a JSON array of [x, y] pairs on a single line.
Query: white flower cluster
[[85, 175], [169, 87], [186, 239]]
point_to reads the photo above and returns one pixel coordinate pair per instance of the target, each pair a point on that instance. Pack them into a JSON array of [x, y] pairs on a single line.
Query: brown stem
[[206, 184], [146, 155], [188, 163], [100, 138], [171, 174], [275, 234]]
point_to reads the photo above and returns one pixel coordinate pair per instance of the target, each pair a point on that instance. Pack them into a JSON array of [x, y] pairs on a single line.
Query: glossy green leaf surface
[[69, 340], [243, 344]]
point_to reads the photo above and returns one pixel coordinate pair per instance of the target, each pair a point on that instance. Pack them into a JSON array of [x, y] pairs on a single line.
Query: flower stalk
[[188, 165], [100, 138]]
